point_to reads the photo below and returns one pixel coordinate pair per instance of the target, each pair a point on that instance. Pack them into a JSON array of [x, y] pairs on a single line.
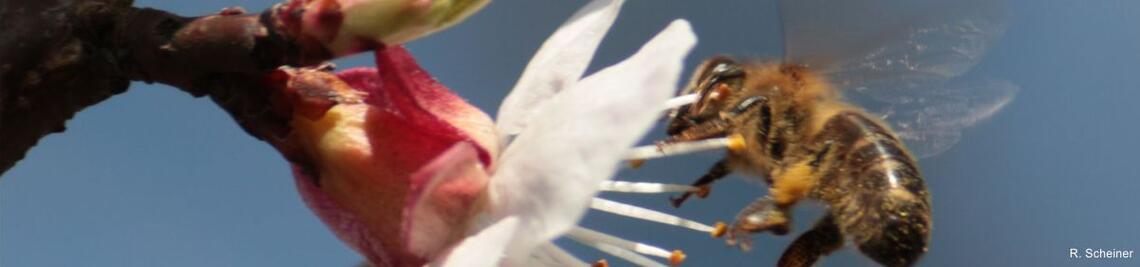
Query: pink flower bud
[[344, 27], [398, 175]]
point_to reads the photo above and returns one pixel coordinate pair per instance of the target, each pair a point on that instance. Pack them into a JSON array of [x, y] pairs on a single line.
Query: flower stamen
[[732, 143], [703, 191], [621, 248], [681, 101], [648, 215], [646, 188]]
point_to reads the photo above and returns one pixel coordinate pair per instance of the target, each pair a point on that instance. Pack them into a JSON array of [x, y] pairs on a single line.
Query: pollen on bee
[[722, 92], [601, 263], [736, 142]]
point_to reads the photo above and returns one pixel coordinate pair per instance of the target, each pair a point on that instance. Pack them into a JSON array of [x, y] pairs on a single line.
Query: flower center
[[635, 252]]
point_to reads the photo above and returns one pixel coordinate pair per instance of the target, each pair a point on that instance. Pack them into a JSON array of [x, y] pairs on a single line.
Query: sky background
[[154, 177]]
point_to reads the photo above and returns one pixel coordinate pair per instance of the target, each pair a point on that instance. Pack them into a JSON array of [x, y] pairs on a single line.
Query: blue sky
[[154, 177]]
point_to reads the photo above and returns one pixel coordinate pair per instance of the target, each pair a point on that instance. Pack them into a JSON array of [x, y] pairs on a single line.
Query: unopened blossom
[[355, 162], [408, 174], [349, 26]]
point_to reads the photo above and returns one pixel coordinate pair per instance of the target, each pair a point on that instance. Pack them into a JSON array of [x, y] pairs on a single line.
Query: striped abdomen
[[873, 188]]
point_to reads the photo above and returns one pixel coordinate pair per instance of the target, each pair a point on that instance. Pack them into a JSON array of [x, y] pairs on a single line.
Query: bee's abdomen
[[874, 189]]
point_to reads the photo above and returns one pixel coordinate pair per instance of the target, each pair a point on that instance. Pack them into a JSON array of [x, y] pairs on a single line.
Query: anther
[[721, 229], [677, 257], [703, 191], [636, 163]]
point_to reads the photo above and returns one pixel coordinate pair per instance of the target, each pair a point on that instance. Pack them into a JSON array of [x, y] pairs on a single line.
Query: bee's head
[[715, 83]]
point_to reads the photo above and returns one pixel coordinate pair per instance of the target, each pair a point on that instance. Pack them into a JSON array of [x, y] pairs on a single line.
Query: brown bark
[[58, 57]]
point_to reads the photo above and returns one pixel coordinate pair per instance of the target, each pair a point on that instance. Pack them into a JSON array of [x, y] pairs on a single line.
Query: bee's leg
[[770, 213], [718, 171], [717, 126], [706, 129], [821, 240], [762, 215], [713, 128]]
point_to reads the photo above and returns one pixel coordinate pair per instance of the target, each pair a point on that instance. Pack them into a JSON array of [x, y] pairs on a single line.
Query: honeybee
[[806, 134]]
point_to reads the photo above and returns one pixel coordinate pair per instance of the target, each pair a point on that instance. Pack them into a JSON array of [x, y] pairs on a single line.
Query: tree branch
[[61, 56]]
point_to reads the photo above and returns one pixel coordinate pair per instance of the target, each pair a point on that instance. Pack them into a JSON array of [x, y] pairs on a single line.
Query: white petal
[[558, 64], [483, 249], [550, 173]]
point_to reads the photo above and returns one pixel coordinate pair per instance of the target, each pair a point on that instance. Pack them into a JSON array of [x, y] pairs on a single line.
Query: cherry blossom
[[411, 174]]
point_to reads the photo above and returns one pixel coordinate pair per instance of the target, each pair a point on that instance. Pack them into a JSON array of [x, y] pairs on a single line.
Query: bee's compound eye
[[721, 68], [712, 67], [722, 73]]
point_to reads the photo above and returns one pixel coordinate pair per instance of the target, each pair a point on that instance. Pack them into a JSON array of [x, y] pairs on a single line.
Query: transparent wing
[[903, 59], [930, 121]]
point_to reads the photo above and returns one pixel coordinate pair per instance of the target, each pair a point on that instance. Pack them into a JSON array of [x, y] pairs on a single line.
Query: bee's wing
[[903, 58], [874, 42], [930, 121]]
